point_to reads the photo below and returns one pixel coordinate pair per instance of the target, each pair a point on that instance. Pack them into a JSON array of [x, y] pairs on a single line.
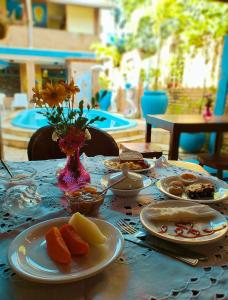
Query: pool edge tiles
[[31, 119]]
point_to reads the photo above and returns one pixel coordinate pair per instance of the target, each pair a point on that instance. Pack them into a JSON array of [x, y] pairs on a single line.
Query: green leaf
[[104, 93], [97, 97]]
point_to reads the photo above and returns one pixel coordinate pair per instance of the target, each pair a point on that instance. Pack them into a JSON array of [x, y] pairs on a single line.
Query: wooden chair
[[148, 150], [42, 147], [217, 162]]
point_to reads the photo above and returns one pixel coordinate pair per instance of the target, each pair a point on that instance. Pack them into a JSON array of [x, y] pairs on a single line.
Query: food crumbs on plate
[[75, 244], [56, 247], [87, 229]]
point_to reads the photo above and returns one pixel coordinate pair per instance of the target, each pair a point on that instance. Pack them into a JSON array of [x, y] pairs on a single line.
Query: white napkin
[[181, 214]]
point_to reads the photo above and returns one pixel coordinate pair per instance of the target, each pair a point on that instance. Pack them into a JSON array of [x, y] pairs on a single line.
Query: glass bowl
[[86, 200], [20, 195], [188, 178], [20, 175]]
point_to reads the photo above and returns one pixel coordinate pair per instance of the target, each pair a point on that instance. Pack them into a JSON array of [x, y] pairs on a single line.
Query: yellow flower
[[54, 94], [37, 97], [71, 89]]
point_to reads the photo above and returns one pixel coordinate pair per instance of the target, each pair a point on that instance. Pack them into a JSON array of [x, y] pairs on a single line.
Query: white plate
[[221, 189], [106, 164], [28, 256], [125, 193], [154, 227]]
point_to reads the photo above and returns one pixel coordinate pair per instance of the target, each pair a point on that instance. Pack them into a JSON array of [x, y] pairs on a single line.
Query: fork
[[139, 237]]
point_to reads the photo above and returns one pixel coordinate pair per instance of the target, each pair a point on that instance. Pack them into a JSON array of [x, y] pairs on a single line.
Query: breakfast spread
[[175, 190], [191, 185], [200, 190], [85, 200], [188, 178], [130, 181], [128, 156], [56, 247], [133, 159], [181, 214], [137, 165], [190, 221], [87, 229], [73, 239], [187, 230]]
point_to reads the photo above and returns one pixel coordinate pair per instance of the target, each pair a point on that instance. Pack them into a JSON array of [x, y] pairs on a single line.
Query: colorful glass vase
[[73, 175], [207, 113]]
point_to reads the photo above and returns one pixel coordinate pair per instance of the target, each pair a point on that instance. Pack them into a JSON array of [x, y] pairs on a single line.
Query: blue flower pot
[[154, 102], [192, 142], [105, 102]]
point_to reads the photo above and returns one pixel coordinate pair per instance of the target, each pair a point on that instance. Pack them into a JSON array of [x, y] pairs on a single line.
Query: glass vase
[[73, 175]]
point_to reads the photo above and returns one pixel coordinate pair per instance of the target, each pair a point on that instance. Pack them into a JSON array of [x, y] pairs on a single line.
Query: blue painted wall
[[222, 90], [223, 82]]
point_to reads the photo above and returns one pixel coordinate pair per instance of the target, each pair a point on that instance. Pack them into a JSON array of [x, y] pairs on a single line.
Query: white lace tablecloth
[[139, 274]]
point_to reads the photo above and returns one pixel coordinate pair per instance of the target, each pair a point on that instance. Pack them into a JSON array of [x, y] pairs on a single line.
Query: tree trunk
[[160, 45]]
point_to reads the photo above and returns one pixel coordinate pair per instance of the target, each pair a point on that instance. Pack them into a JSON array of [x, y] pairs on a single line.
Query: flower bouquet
[[70, 128]]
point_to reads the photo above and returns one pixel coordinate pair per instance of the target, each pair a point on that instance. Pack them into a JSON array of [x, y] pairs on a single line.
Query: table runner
[[139, 273]]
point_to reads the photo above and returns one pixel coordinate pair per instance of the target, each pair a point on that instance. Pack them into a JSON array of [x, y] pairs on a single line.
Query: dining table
[[139, 273], [177, 124]]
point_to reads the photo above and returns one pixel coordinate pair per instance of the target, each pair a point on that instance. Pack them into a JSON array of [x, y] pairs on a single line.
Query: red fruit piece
[[56, 246], [74, 242]]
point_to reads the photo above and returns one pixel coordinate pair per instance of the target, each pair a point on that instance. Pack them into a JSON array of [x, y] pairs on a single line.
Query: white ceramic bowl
[[126, 193]]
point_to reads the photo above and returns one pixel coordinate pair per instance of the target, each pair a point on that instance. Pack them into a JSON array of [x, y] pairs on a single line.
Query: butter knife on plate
[[188, 257]]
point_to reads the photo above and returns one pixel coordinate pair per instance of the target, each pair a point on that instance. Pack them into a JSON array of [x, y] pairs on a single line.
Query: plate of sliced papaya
[[65, 249]]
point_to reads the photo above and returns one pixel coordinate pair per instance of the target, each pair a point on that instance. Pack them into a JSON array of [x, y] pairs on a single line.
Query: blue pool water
[[31, 119]]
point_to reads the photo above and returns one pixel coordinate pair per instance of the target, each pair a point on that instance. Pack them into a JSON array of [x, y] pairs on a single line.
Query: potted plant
[[154, 101], [71, 128]]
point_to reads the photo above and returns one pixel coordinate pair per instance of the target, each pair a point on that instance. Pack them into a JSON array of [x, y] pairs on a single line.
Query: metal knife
[[193, 261]]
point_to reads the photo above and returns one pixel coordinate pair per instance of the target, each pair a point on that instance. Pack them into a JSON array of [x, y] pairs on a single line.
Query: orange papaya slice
[[56, 247], [74, 242]]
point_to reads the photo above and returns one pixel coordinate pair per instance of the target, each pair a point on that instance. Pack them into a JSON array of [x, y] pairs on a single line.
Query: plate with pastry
[[65, 249], [197, 188], [134, 160], [184, 222]]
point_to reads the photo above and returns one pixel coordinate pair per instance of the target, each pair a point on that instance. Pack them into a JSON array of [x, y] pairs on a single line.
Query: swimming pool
[[32, 119]]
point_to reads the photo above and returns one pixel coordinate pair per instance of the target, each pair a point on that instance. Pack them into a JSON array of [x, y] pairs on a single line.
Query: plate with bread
[[197, 188], [183, 222], [134, 160]]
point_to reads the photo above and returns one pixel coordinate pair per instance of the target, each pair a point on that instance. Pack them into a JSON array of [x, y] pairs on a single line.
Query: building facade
[[47, 39]]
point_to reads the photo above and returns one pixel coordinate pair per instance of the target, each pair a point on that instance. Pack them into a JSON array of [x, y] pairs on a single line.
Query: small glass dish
[[20, 195], [188, 178], [25, 174], [86, 200]]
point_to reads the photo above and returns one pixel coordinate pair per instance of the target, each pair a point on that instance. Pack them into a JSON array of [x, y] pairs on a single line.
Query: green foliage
[[153, 79], [104, 82], [145, 39], [193, 25], [61, 120], [97, 98], [129, 6], [107, 51]]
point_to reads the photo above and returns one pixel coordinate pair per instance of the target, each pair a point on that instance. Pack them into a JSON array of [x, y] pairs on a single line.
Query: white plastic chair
[[20, 100], [2, 101]]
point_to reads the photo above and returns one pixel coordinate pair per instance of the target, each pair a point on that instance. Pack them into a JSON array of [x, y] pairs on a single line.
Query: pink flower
[[72, 140]]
